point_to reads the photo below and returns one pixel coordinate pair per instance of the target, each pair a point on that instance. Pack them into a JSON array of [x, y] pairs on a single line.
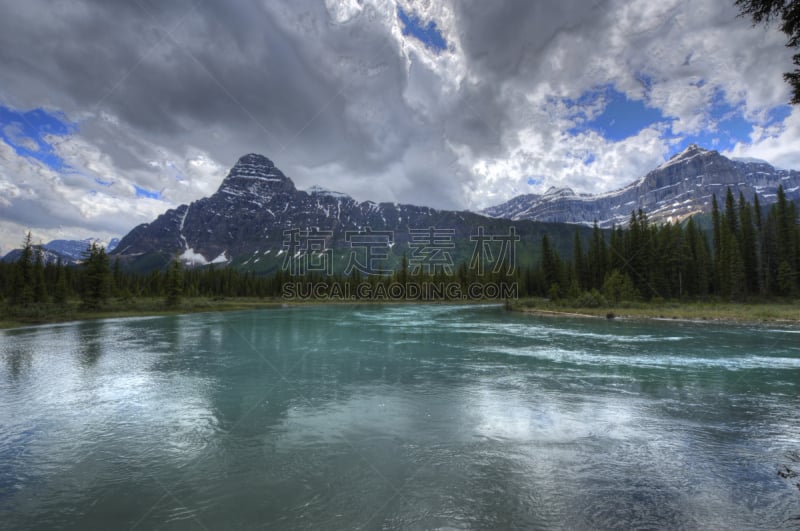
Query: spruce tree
[[578, 266], [730, 212], [60, 291], [717, 240], [174, 287], [748, 246], [39, 288], [598, 258], [550, 265], [97, 278], [22, 293], [786, 13]]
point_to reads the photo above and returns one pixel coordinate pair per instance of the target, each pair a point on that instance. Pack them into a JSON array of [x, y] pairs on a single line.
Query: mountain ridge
[[670, 192], [244, 222], [70, 252]]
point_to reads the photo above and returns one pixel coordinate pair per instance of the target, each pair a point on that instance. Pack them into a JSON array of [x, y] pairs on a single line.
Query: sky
[[112, 112]]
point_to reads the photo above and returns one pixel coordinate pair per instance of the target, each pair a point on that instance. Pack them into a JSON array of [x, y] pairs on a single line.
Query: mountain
[[70, 252], [74, 249], [48, 256], [679, 188], [243, 223]]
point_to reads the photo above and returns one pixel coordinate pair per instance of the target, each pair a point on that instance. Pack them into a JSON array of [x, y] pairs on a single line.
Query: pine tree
[[578, 266], [757, 212], [60, 291], [730, 212], [550, 265], [748, 246], [116, 276], [618, 287], [598, 258], [786, 226], [785, 279], [97, 279], [736, 272], [726, 256], [717, 241], [787, 14], [174, 285], [39, 288], [22, 293]]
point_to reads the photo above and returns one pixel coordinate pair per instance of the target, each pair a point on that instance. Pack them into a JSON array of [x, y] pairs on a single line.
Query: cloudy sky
[[112, 112]]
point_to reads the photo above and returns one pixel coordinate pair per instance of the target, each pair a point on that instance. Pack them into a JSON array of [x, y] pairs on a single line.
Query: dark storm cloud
[[278, 78], [505, 37], [168, 71], [168, 95]]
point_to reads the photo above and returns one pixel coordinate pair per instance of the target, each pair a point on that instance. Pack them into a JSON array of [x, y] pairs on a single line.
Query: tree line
[[749, 252]]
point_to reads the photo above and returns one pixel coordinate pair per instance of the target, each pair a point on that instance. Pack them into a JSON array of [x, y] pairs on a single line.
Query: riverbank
[[148, 307], [778, 312], [140, 307]]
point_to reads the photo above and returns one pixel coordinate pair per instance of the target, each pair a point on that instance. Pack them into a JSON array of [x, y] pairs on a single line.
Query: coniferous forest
[[749, 253]]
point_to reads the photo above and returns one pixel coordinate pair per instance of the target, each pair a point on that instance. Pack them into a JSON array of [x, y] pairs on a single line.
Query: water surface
[[415, 417]]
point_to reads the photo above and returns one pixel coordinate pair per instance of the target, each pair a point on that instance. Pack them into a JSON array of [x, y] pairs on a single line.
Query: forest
[[749, 253]]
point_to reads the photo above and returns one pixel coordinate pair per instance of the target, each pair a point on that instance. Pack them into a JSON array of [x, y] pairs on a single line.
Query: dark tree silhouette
[[787, 15]]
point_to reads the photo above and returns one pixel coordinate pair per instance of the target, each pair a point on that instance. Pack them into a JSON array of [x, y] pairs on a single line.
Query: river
[[398, 417]]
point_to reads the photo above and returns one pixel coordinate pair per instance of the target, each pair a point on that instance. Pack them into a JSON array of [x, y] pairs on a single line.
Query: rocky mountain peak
[[554, 191], [691, 151], [256, 175], [253, 160], [680, 187]]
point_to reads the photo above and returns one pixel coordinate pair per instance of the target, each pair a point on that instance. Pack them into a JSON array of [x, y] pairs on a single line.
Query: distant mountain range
[[677, 189], [68, 251], [243, 223]]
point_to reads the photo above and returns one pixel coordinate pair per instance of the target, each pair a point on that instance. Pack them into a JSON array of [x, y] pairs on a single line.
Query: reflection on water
[[91, 341], [396, 416]]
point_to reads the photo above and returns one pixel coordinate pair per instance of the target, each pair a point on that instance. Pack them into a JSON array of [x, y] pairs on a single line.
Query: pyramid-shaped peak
[[254, 159], [254, 170], [255, 166], [691, 150]]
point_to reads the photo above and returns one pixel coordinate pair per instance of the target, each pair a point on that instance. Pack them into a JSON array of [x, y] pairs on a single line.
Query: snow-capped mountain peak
[[678, 188]]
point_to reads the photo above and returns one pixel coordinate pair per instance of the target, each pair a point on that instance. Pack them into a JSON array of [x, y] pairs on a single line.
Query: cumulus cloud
[[165, 96]]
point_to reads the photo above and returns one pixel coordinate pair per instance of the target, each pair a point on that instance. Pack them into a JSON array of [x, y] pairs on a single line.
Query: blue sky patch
[[428, 33], [25, 131], [727, 126], [622, 117], [616, 117], [778, 114], [145, 193]]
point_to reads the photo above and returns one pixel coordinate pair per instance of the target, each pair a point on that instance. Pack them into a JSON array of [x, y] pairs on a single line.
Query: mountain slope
[[680, 187], [243, 223]]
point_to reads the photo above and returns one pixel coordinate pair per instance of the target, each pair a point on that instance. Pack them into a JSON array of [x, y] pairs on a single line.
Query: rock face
[[680, 187], [243, 222]]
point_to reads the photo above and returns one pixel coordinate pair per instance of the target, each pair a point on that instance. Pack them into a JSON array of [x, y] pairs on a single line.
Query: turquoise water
[[386, 417]]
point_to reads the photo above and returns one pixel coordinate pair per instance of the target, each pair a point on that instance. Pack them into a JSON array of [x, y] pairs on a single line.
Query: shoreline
[[780, 313], [145, 308], [725, 313]]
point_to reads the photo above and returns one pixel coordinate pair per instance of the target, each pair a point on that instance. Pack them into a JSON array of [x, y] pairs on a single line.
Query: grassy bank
[[773, 311], [139, 307]]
